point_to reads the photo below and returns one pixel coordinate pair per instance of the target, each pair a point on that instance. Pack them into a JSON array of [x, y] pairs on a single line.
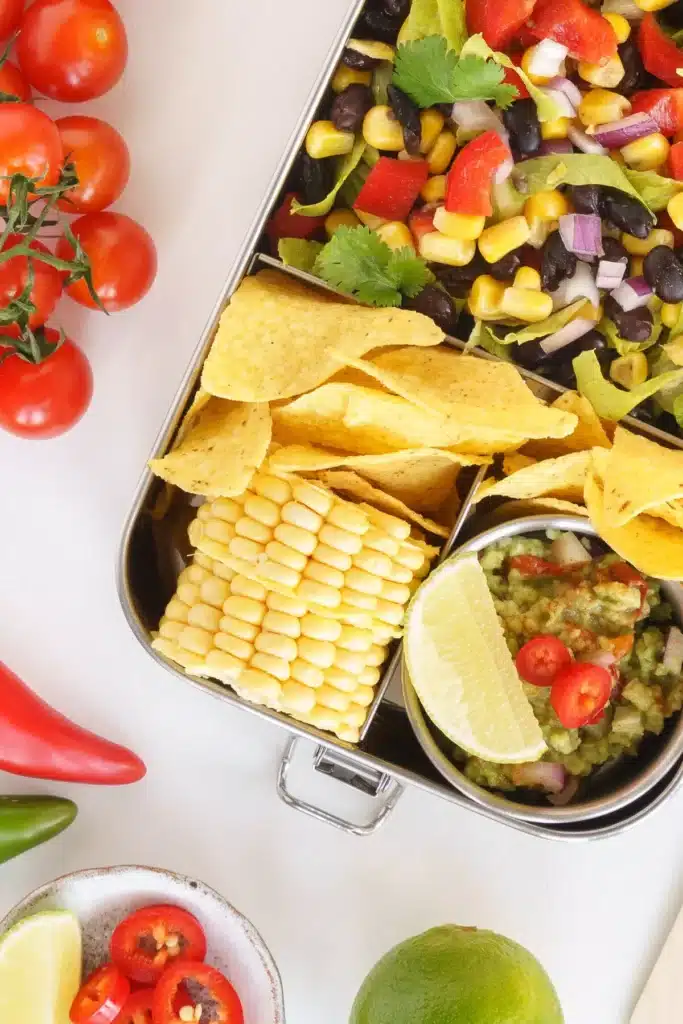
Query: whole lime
[[454, 975]]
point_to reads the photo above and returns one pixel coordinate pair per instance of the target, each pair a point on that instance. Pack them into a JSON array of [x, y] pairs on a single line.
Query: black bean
[[408, 115], [532, 355], [626, 212], [645, 413], [465, 325], [380, 25], [315, 178], [437, 304], [557, 262], [586, 198], [635, 75], [398, 8], [559, 366], [664, 273], [359, 61], [504, 268], [614, 251], [458, 280], [350, 107], [634, 325], [521, 121]]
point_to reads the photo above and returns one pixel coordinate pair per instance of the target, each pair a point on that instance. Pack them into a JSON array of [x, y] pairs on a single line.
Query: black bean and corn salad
[[516, 174]]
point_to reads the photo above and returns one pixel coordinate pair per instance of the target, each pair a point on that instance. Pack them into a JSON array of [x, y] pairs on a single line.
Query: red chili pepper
[[660, 54], [676, 161], [37, 741], [499, 21], [468, 188], [285, 224], [391, 188], [531, 565], [586, 34], [665, 106]]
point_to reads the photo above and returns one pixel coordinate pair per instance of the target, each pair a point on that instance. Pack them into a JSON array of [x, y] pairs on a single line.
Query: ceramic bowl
[[102, 897]]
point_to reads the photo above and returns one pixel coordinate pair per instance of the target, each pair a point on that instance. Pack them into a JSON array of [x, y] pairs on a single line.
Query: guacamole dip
[[562, 601]]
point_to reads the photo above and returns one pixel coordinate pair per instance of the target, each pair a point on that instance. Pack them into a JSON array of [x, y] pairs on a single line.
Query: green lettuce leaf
[[299, 253], [678, 410], [436, 18], [544, 327], [506, 201], [381, 80], [667, 396], [547, 108], [543, 172], [609, 401], [608, 329], [482, 336], [654, 190], [344, 167]]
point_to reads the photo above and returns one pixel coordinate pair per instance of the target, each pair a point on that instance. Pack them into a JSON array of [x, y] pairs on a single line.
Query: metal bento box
[[388, 755]]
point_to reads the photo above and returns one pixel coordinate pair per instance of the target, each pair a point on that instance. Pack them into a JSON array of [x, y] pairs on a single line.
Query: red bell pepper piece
[[285, 224], [660, 54], [499, 21], [665, 106], [468, 187], [421, 223], [391, 188], [676, 161], [39, 742], [586, 34], [512, 78]]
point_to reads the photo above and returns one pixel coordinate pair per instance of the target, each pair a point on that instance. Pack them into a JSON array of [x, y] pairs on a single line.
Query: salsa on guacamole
[[593, 642]]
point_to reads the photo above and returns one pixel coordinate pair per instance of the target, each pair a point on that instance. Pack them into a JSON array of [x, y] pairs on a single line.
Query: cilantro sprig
[[358, 262], [430, 73]]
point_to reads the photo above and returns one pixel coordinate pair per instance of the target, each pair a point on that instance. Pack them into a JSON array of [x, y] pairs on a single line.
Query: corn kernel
[[370, 676], [233, 645], [364, 695], [171, 630], [304, 672], [286, 555], [246, 609], [546, 205], [607, 75], [431, 122], [442, 152], [642, 246], [271, 664], [276, 644], [224, 508], [354, 639], [341, 540], [372, 48], [529, 306], [670, 312], [313, 497], [392, 525], [253, 530], [333, 557], [529, 279], [271, 487], [598, 106], [297, 697], [324, 140], [370, 220], [500, 239], [434, 189], [630, 370], [399, 574], [319, 593], [466, 227], [243, 587], [239, 628], [355, 599], [218, 530], [525, 62], [315, 627], [486, 295], [339, 680], [347, 733], [675, 210], [363, 582], [280, 622], [556, 129], [438, 248], [382, 130], [296, 514], [204, 616], [373, 562], [224, 665], [328, 697], [288, 605], [296, 538], [646, 154], [320, 653], [325, 719], [377, 540], [636, 266], [262, 510], [622, 28], [279, 574], [345, 76], [214, 591], [260, 687], [355, 716], [348, 516], [389, 612], [324, 574], [396, 235], [352, 662], [654, 5], [340, 219]]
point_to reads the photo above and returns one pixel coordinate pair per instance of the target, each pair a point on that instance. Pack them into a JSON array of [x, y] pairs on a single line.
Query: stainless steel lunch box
[[389, 756], [611, 788]]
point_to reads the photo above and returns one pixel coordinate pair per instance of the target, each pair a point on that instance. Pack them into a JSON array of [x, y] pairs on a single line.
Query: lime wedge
[[40, 969], [462, 670]]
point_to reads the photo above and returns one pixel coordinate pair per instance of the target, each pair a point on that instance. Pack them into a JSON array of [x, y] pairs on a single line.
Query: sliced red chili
[[192, 985], [579, 692], [101, 997], [144, 943], [541, 658], [138, 1008]]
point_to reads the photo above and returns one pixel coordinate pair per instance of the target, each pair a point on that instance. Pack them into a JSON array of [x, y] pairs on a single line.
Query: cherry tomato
[[48, 399], [101, 997], [122, 256], [10, 16], [531, 565], [173, 993], [101, 159], [13, 83], [541, 658], [145, 942], [138, 1008], [72, 50], [47, 284], [29, 144], [579, 692]]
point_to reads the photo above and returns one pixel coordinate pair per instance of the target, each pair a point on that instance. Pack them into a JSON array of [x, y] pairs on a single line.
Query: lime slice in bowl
[[459, 663], [40, 969]]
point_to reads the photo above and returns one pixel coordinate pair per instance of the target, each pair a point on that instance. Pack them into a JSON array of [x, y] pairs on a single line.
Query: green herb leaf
[[609, 401], [344, 167], [299, 253], [411, 274], [436, 18], [571, 169], [547, 108], [478, 79], [431, 73], [654, 190]]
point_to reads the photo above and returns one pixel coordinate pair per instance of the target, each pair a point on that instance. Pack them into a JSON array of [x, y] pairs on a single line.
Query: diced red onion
[[549, 147], [564, 105], [584, 142], [565, 336], [627, 8], [632, 294], [582, 233], [673, 652], [567, 549], [616, 134], [610, 273], [566, 795], [580, 285], [475, 116], [545, 775], [570, 90], [547, 58], [603, 659], [504, 171]]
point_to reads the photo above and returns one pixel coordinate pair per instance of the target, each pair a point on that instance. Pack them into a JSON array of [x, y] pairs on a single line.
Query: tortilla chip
[[277, 335], [466, 390], [562, 478], [220, 449], [516, 461], [537, 507], [355, 486], [421, 477], [639, 475], [671, 512], [589, 431], [651, 545]]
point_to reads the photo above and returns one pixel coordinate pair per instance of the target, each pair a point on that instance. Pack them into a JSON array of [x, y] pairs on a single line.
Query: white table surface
[[211, 95]]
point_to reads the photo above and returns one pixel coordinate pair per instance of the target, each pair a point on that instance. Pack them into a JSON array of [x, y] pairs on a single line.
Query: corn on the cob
[[292, 599]]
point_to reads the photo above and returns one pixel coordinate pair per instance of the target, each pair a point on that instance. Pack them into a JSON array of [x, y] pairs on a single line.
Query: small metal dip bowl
[[609, 787]]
